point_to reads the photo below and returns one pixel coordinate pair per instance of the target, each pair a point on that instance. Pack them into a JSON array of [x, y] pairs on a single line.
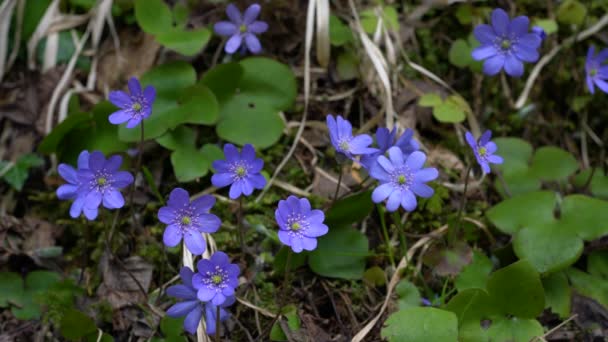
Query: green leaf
[[339, 33], [549, 25], [212, 153], [347, 66], [597, 264], [552, 164], [589, 285], [571, 12], [181, 12], [198, 105], [153, 16], [170, 79], [375, 276], [502, 216], [11, 288], [172, 327], [32, 14], [430, 100], [189, 164], [340, 254], [297, 260], [514, 330], [421, 324], [50, 143], [252, 104], [76, 325], [471, 305], [186, 42], [18, 173], [452, 110], [475, 274], [350, 209], [460, 53], [557, 294], [517, 290], [293, 323], [369, 19], [516, 153], [598, 183], [408, 294], [464, 14], [36, 283], [585, 215], [178, 138]]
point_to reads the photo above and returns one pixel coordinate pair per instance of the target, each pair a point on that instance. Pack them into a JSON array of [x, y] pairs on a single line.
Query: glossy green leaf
[[597, 264], [251, 104], [557, 293], [11, 288], [339, 32], [585, 215], [296, 260], [452, 110], [502, 216], [170, 79], [374, 276], [475, 274], [598, 183], [186, 42], [460, 53], [430, 100], [172, 327], [50, 143], [516, 153], [552, 164], [514, 330], [18, 173], [350, 209], [211, 153], [340, 254], [178, 138], [517, 290], [589, 285], [421, 324], [36, 283], [181, 12], [75, 325], [153, 16], [189, 164], [549, 25]]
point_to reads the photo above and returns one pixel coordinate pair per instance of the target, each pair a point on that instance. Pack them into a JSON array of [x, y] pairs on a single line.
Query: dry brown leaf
[[118, 287], [445, 159]]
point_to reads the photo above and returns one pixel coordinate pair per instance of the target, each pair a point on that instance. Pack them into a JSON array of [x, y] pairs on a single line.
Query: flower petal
[[316, 229], [172, 235], [112, 199], [193, 319], [209, 223], [530, 40], [181, 309], [221, 180], [178, 198], [484, 34], [525, 53], [166, 215], [68, 173], [251, 14], [67, 191], [519, 26], [195, 243], [415, 161], [394, 200], [382, 192], [484, 51], [468, 136], [386, 164], [513, 66], [235, 190], [500, 21], [120, 99], [233, 43], [426, 175], [234, 14], [203, 204], [257, 181], [422, 190], [494, 159], [485, 137], [258, 27], [122, 179], [113, 163], [308, 243], [396, 156], [225, 28], [181, 291], [493, 65], [408, 201], [253, 43]]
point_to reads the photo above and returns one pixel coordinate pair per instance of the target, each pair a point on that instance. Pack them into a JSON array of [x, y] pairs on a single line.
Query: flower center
[[240, 171], [401, 180], [217, 279], [592, 72], [344, 145], [482, 151], [101, 181], [136, 106], [296, 226], [243, 28], [186, 220], [505, 44]]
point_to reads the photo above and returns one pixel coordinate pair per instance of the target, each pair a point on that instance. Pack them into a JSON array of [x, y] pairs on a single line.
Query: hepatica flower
[[239, 170], [540, 32], [387, 139], [341, 136], [484, 150], [596, 70], [188, 220], [216, 279], [299, 225], [506, 44], [100, 183], [401, 178], [69, 191], [192, 307], [134, 107], [242, 28]]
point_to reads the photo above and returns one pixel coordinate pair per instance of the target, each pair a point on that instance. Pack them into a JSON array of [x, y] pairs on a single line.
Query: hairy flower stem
[[456, 229], [337, 185], [387, 240], [217, 323], [239, 225], [140, 152], [401, 231]]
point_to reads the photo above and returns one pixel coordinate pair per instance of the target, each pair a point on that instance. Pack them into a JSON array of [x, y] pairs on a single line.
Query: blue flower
[[540, 32], [240, 170], [216, 279], [484, 150], [192, 307], [299, 225], [341, 136], [98, 181], [242, 28], [506, 44], [385, 140], [134, 107], [188, 220], [401, 178], [596, 70]]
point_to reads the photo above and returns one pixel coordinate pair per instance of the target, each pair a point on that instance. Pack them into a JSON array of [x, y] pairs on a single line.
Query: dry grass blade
[[6, 12], [322, 30], [256, 308], [390, 287], [307, 46], [521, 100]]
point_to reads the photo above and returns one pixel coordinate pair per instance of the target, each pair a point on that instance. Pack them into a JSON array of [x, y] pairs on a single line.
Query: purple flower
[[192, 307], [484, 150], [401, 178], [101, 183], [540, 32], [134, 107], [216, 279], [242, 28], [506, 43], [597, 71], [341, 136], [242, 170], [299, 225], [188, 220], [70, 190], [386, 139]]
